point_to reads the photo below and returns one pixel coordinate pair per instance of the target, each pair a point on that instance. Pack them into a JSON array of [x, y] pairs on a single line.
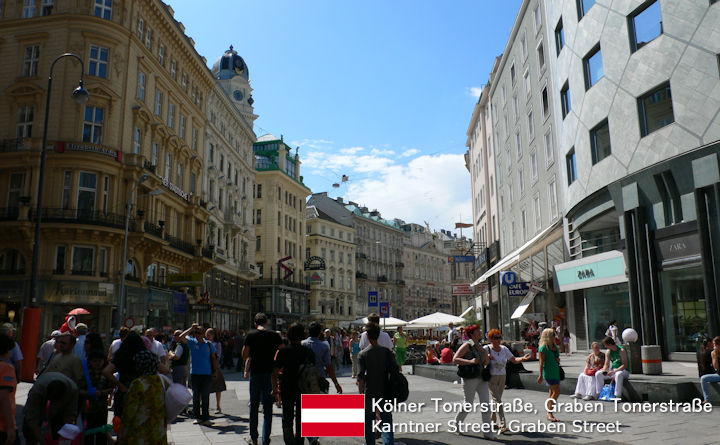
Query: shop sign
[[315, 263], [62, 147], [314, 279], [462, 289], [508, 277], [597, 270], [675, 248], [518, 289], [81, 292], [185, 279], [461, 259], [478, 303], [174, 188], [180, 303]]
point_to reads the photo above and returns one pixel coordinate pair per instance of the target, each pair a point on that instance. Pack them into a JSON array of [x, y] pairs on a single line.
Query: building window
[[171, 115], [136, 141], [158, 102], [600, 141], [533, 167], [645, 25], [538, 19], [148, 38], [518, 144], [583, 6], [82, 260], [173, 69], [541, 57], [16, 190], [655, 109], [141, 85], [47, 7], [180, 175], [278, 244], [182, 127], [194, 139], [259, 191], [59, 260], [593, 67], [531, 125], [279, 219], [98, 61], [528, 86], [184, 82], [140, 28], [523, 217], [565, 102], [87, 190], [258, 243], [103, 8], [29, 9], [168, 166], [521, 181], [523, 45], [515, 106], [67, 189], [32, 58], [161, 54], [193, 181], [258, 217], [538, 215], [571, 166], [552, 198], [155, 151], [512, 74], [25, 121], [559, 37], [106, 193], [549, 149], [545, 102], [93, 124]]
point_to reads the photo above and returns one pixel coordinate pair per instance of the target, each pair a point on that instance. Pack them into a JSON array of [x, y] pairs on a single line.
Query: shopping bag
[[608, 392], [177, 398]]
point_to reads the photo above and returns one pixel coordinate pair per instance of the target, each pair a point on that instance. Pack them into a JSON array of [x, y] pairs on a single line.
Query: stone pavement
[[636, 428]]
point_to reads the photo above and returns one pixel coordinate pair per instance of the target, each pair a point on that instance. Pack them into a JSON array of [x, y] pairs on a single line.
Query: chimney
[[339, 200], [353, 203]]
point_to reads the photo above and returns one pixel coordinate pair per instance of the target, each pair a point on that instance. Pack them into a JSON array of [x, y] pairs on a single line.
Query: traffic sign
[[372, 298], [384, 309]]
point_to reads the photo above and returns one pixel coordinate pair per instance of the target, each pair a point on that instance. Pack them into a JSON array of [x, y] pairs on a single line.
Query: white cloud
[[429, 188], [378, 152], [474, 91], [410, 152], [317, 144], [351, 150]]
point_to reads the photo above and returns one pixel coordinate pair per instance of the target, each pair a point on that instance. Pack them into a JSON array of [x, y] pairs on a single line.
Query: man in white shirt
[[115, 345], [384, 339], [452, 332], [157, 346], [79, 349], [46, 351]]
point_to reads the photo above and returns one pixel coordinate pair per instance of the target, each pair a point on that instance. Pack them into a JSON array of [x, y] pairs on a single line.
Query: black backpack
[[309, 379], [398, 385]]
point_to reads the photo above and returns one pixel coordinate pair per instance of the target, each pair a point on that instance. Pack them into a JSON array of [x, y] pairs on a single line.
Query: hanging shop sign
[[62, 147], [185, 279], [315, 263], [81, 292], [462, 289], [174, 188], [593, 271]]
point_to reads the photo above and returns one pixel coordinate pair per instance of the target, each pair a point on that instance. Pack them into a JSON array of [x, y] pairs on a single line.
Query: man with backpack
[[377, 363], [299, 376], [260, 347]]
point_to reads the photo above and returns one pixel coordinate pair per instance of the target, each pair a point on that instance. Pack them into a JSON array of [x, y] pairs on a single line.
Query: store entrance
[[685, 310]]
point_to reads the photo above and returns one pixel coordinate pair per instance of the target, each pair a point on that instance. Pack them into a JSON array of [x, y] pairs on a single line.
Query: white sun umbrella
[[434, 320], [384, 322]]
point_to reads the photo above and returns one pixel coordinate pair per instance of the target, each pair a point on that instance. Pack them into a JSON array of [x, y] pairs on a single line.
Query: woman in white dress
[[586, 388]]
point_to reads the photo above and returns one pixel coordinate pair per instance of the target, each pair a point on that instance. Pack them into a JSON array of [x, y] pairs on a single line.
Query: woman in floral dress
[[143, 422]]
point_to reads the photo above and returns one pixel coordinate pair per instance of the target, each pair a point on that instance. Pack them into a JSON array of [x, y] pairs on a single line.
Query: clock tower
[[233, 76]]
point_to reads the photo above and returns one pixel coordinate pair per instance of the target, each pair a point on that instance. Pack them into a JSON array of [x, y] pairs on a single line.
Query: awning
[[593, 271], [514, 256], [525, 303], [466, 311]]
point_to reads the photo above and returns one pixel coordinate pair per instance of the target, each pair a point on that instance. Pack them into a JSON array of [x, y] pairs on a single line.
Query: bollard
[[633, 352], [651, 360]]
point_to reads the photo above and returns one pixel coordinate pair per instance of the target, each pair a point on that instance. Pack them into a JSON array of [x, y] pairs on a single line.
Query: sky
[[380, 91]]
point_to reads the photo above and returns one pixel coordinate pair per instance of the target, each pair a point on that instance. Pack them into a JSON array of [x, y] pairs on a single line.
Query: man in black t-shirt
[[289, 360], [260, 347]]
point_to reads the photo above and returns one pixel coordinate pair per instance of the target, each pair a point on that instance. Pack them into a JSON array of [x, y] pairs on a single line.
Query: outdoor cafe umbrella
[[434, 320], [384, 322], [79, 311]]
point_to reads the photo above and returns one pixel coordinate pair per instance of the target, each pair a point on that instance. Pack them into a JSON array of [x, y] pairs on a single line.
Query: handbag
[[177, 398], [470, 371], [398, 384], [592, 371], [562, 372], [485, 374]]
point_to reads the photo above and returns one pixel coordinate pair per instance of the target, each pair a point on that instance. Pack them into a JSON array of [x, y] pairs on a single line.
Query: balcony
[[400, 282], [382, 279], [233, 221], [399, 264], [87, 273], [361, 276], [360, 255], [153, 229], [207, 252], [81, 216], [149, 166], [179, 244]]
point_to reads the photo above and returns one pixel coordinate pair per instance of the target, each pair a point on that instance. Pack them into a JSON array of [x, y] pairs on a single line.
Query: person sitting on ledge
[[615, 368], [586, 388], [710, 378], [430, 356]]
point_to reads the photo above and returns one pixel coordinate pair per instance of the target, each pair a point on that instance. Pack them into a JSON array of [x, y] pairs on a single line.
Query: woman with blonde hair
[[499, 356], [550, 368]]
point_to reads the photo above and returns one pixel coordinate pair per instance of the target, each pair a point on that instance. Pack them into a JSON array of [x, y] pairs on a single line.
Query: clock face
[[238, 95]]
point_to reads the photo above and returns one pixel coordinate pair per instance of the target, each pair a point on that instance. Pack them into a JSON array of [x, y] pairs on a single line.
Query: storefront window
[[605, 304], [685, 310]]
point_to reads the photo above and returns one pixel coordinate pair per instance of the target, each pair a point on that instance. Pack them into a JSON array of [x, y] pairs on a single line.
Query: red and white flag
[[332, 415]]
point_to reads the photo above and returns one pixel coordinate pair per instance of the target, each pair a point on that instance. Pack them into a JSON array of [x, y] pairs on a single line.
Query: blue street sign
[[384, 309], [461, 259], [508, 277], [180, 303], [372, 298]]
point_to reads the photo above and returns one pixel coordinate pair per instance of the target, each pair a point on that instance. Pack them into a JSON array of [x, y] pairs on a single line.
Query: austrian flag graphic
[[332, 415]]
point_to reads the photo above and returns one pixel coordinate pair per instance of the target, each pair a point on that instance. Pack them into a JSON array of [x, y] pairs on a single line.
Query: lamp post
[[123, 271], [30, 322]]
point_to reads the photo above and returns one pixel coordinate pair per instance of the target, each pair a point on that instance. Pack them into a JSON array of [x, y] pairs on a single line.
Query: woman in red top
[[446, 355]]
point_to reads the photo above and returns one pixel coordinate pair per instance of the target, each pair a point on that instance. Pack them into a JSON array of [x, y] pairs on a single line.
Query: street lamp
[[31, 324], [123, 271]]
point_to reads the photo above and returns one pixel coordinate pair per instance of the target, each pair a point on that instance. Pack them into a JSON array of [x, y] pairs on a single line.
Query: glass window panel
[[647, 25]]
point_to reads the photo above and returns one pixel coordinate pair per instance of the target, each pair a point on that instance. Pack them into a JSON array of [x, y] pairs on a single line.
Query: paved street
[[635, 428]]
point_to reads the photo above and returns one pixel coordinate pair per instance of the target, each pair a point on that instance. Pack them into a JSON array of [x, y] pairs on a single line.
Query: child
[[98, 412], [8, 384]]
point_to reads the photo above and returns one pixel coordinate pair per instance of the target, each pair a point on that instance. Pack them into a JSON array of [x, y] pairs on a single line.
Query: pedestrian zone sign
[[372, 298], [384, 309]]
